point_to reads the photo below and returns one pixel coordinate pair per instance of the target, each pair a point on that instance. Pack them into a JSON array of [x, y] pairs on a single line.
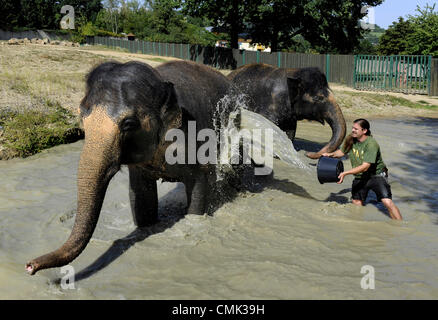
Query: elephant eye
[[130, 124]]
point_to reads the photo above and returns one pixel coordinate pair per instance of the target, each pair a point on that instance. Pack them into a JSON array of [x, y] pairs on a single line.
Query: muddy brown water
[[290, 238]]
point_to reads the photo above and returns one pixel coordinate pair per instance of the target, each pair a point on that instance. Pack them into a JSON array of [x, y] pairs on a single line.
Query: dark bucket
[[329, 169]]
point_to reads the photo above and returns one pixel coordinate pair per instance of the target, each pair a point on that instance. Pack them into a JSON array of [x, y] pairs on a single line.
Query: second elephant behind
[[285, 96]]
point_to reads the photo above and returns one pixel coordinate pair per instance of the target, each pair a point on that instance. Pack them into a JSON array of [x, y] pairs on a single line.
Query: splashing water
[[282, 146], [234, 122]]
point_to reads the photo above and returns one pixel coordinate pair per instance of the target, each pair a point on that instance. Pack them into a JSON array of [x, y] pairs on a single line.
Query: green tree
[[365, 47], [333, 25], [395, 39], [85, 8], [229, 15], [165, 17], [43, 14], [417, 35], [108, 18], [38, 14], [424, 39], [328, 25], [10, 14], [275, 23], [374, 35]]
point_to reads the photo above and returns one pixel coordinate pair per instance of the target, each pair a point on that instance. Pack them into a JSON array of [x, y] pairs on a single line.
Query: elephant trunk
[[99, 162], [334, 117]]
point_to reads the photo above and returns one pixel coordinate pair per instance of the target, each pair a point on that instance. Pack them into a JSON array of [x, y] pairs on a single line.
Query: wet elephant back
[[198, 88], [267, 87]]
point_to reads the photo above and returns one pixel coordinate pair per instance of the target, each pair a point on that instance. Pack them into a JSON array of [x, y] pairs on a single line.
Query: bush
[[31, 132]]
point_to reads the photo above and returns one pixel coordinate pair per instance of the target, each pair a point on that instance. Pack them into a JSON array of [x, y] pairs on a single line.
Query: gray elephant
[[126, 112], [285, 96]]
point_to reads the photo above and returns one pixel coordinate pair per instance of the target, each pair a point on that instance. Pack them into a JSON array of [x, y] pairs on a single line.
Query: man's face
[[357, 132]]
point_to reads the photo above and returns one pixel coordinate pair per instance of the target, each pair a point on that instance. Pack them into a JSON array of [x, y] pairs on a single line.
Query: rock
[[13, 41]]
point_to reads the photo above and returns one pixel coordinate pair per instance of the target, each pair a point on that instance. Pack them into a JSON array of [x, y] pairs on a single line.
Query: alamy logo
[[257, 144], [68, 21], [367, 281], [68, 281], [369, 21]]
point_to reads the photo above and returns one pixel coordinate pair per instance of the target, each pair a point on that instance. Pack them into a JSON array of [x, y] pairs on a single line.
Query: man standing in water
[[370, 172]]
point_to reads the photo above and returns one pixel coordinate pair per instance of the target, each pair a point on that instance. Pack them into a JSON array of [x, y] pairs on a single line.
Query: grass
[[410, 104], [40, 90], [104, 48], [346, 101], [32, 131], [160, 60]]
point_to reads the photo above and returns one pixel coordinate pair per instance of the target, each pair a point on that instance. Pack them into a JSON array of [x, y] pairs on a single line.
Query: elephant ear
[[171, 113], [295, 88]]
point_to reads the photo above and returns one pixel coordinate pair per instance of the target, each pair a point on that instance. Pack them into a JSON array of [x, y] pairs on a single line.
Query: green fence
[[337, 68], [407, 74]]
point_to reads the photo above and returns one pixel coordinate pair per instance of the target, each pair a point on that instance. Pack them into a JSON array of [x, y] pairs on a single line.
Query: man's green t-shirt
[[366, 151]]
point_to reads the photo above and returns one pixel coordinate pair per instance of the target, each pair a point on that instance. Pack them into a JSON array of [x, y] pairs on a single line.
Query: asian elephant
[[126, 112], [285, 96]]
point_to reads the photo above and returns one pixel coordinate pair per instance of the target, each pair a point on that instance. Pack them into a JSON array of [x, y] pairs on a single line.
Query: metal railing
[[403, 73], [408, 74]]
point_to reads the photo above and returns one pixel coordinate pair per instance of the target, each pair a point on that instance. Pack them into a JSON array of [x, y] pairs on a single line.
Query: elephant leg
[[291, 131], [197, 191], [143, 197]]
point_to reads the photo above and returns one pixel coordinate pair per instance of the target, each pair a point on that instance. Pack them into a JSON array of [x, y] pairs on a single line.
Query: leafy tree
[[374, 35], [328, 25], [395, 39], [108, 18], [229, 15], [164, 16], [424, 39], [275, 23], [10, 17], [415, 36], [38, 14], [332, 25], [365, 47], [43, 14], [86, 8]]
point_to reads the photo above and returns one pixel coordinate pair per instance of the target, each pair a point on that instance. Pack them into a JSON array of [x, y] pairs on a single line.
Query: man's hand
[[341, 177], [337, 154]]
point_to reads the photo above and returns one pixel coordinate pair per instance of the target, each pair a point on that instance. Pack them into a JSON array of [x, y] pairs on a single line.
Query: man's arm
[[337, 154], [362, 168]]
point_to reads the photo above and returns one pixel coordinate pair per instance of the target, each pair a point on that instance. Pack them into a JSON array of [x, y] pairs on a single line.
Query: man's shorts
[[377, 183]]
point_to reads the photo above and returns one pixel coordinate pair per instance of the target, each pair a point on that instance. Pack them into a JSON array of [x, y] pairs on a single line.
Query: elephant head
[[125, 114], [312, 99]]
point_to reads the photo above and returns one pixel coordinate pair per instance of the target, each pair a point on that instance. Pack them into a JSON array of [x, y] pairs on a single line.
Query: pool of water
[[289, 237]]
